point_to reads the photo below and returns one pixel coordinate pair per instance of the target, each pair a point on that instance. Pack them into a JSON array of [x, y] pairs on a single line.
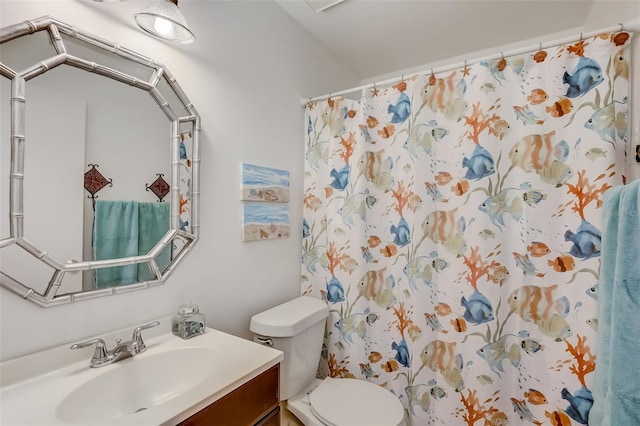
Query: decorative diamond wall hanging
[[94, 182], [160, 187]]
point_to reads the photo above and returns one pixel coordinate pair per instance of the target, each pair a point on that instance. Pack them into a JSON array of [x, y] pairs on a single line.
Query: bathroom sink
[[137, 384], [172, 380]]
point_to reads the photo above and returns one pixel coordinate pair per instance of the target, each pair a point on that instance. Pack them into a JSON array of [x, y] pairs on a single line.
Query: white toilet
[[297, 328]]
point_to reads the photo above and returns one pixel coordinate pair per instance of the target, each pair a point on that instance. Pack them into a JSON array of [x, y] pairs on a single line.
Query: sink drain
[[140, 409]]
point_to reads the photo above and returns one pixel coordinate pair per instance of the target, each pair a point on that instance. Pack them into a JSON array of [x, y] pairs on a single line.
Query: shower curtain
[[452, 224]]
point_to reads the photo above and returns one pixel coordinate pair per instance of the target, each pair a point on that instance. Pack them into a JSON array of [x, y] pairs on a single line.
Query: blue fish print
[[418, 270], [496, 206], [496, 352], [183, 224], [478, 309], [335, 292], [586, 241], [305, 228], [402, 352], [401, 110], [561, 151], [183, 151], [608, 121], [309, 126], [402, 235], [340, 178], [586, 76], [479, 165], [521, 409], [580, 404], [593, 292]]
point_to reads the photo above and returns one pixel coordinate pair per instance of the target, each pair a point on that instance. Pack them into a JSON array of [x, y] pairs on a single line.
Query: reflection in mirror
[[91, 105]]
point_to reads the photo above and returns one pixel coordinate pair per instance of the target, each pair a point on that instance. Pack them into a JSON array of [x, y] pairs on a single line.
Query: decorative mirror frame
[[18, 140]]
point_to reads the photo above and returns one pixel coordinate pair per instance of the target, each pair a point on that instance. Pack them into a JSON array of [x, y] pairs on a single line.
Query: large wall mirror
[[99, 166]]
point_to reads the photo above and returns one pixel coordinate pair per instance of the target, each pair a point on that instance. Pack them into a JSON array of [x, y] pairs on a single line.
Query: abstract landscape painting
[[264, 184], [265, 221]]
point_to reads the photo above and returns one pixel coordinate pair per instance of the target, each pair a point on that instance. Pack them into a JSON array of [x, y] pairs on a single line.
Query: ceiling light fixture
[[164, 20]]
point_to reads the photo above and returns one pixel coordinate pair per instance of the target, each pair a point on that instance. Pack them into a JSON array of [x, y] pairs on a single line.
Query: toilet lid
[[352, 402]]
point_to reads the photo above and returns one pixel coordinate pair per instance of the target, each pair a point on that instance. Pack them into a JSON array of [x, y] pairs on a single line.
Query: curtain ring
[[540, 45], [580, 36], [621, 27]]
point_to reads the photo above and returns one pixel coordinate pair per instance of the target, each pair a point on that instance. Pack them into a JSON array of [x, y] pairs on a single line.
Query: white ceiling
[[378, 37]]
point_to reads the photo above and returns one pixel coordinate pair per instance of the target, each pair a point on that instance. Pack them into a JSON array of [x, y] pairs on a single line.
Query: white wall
[[245, 74]]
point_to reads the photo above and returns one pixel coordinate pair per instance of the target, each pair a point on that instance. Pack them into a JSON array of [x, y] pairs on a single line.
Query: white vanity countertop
[[36, 400]]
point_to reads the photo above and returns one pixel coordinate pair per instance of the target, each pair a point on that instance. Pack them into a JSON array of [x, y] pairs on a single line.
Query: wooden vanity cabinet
[[256, 402]]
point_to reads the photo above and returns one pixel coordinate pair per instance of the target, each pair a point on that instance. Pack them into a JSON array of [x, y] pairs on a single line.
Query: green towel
[[115, 235], [616, 390], [125, 229], [153, 225]]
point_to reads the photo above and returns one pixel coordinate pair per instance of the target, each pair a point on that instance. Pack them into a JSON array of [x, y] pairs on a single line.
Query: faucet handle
[[100, 355], [137, 336]]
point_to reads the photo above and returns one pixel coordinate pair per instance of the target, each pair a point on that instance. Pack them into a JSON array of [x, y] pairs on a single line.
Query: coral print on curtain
[[452, 224]]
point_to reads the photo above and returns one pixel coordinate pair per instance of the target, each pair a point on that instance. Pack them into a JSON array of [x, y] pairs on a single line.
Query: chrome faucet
[[102, 356]]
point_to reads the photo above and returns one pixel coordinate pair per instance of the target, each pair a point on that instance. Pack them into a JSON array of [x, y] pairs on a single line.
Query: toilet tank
[[296, 328]]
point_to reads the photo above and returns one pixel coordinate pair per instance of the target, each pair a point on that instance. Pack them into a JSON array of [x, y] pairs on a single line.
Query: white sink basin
[[136, 384], [171, 381]]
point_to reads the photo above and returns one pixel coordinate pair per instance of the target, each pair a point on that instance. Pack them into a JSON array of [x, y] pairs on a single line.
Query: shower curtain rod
[[631, 26]]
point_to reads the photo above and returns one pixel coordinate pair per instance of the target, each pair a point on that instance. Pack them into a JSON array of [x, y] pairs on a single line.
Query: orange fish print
[[376, 168], [560, 108], [372, 122], [414, 202], [535, 397], [443, 178], [443, 309], [535, 153], [536, 303], [538, 249], [459, 324], [351, 113], [497, 419], [390, 366], [333, 117], [562, 263], [461, 187], [537, 96], [389, 250], [540, 56], [374, 241], [498, 275], [387, 131], [499, 129], [539, 305], [445, 95], [328, 191], [444, 227], [375, 357], [440, 356], [558, 418], [377, 286]]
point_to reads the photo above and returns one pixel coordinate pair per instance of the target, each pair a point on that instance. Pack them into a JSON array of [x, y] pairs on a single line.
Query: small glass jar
[[188, 322]]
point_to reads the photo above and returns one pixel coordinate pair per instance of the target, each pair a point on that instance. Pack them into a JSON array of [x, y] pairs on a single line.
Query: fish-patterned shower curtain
[[452, 223]]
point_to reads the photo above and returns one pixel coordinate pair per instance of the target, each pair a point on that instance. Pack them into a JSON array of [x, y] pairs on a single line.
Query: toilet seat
[[352, 402]]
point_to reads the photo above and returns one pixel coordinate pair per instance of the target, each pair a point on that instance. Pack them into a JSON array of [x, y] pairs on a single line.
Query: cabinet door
[[247, 405]]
